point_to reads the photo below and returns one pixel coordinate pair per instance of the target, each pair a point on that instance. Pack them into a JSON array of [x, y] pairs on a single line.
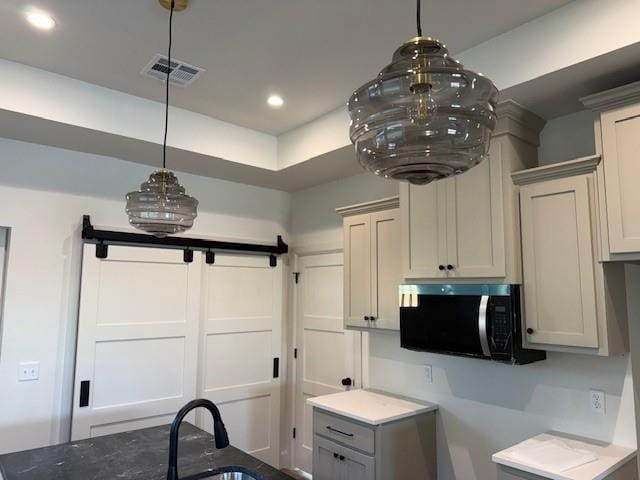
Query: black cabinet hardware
[[342, 457], [346, 382], [372, 318], [276, 367], [449, 267], [367, 318], [187, 256], [210, 257], [335, 430], [529, 331], [335, 455], [440, 267]]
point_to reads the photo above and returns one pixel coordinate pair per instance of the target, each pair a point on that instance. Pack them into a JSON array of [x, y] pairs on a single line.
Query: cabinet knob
[[335, 455], [341, 457], [347, 382], [440, 267], [450, 267], [367, 318], [529, 331], [372, 318]]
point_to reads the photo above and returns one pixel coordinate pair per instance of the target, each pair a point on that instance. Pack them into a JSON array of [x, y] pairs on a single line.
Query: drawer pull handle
[[334, 430]]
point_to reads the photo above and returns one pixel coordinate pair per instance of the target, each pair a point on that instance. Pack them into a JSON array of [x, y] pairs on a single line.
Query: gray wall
[[566, 138]]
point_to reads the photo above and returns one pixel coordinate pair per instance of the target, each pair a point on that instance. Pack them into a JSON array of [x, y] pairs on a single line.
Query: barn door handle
[[84, 393], [276, 367]]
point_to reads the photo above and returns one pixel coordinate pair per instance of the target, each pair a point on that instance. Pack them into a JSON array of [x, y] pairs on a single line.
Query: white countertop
[[609, 458], [371, 406]]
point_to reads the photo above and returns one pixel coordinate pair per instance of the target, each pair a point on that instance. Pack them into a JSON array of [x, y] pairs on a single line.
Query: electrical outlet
[[28, 371], [597, 399], [428, 374]]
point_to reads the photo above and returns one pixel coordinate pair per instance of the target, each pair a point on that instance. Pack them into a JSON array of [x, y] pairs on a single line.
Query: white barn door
[[327, 353], [241, 336], [137, 339]]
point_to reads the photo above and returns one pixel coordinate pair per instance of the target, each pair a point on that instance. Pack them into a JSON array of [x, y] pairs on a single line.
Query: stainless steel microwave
[[481, 321]]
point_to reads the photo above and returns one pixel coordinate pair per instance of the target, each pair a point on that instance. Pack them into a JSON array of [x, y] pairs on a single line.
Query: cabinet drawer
[[344, 431]]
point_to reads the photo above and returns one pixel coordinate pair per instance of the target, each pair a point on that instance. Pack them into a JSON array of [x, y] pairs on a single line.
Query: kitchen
[[76, 140]]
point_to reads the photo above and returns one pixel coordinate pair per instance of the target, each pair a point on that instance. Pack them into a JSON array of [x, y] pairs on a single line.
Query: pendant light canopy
[[424, 117], [161, 206]]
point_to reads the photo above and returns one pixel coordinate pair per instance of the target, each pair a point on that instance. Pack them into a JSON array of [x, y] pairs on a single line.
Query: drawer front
[[344, 431]]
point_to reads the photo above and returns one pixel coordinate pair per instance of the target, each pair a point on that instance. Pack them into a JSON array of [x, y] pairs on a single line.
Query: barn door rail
[[103, 238]]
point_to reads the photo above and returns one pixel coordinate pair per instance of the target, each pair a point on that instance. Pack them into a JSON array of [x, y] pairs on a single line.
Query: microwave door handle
[[482, 326]]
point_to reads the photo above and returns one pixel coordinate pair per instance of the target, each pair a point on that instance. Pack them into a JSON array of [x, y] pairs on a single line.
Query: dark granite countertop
[[137, 455]]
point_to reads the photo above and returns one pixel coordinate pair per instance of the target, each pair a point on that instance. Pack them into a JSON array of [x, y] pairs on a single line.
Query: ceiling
[[313, 52]]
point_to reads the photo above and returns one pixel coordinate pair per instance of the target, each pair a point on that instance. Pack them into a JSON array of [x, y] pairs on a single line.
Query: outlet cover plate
[[597, 401], [428, 373]]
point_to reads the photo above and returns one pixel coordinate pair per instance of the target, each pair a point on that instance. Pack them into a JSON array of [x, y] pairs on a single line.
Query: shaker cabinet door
[[325, 460], [621, 157], [386, 274], [558, 263], [357, 266], [355, 466], [424, 230], [475, 220]]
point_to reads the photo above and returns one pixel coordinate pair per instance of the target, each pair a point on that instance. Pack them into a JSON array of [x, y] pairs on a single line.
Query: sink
[[226, 473], [232, 476]]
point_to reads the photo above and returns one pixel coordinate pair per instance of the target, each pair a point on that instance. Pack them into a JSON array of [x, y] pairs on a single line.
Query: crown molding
[[571, 168], [516, 120], [610, 99], [369, 207]]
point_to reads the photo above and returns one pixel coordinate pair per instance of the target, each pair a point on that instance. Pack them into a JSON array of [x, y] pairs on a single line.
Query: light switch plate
[[597, 401], [428, 373], [28, 371]]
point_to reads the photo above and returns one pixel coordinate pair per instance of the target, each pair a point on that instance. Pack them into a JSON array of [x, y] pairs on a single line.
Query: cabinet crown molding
[[514, 119], [613, 98], [579, 166], [369, 207]]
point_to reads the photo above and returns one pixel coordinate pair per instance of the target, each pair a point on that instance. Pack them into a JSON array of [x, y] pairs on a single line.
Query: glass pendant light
[[424, 117], [161, 206]]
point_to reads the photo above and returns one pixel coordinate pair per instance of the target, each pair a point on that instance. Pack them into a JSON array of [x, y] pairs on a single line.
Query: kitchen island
[[136, 455]]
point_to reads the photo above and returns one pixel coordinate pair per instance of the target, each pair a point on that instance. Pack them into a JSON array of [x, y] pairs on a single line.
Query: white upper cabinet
[[466, 227], [618, 141], [372, 264], [572, 302]]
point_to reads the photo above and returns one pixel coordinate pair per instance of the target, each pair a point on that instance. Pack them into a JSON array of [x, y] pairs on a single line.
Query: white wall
[[44, 192], [485, 406]]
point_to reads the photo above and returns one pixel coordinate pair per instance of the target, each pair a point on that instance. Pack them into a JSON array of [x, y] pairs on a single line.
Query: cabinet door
[[353, 465], [621, 157], [385, 269], [558, 263], [424, 235], [357, 270], [325, 460], [475, 220]]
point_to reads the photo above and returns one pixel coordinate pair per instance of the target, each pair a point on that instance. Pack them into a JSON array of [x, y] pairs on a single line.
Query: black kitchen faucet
[[219, 432]]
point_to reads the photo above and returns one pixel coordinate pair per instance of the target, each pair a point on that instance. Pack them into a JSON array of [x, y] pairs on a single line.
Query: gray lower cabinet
[[345, 449], [335, 462]]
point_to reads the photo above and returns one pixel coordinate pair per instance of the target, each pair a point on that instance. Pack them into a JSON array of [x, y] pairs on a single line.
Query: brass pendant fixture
[[424, 117], [161, 206], [178, 5]]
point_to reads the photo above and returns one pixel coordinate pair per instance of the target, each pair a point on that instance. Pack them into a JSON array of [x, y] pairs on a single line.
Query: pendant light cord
[[166, 103], [418, 18]]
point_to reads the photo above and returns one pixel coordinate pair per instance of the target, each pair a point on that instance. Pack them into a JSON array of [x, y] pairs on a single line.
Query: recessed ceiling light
[[41, 20], [275, 101]]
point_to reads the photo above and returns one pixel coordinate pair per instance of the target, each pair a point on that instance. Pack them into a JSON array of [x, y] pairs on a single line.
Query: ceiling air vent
[[182, 74]]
